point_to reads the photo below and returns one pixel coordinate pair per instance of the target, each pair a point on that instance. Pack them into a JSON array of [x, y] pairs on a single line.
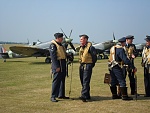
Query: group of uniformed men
[[87, 59], [121, 61]]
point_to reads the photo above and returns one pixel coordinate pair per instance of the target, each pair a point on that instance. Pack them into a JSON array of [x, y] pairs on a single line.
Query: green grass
[[25, 86]]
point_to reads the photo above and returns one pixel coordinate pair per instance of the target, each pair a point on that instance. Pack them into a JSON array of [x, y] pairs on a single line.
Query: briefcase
[[107, 78]]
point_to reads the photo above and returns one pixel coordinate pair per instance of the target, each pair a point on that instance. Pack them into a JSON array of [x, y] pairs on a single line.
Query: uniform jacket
[[146, 55], [56, 62], [120, 56], [128, 46], [88, 54]]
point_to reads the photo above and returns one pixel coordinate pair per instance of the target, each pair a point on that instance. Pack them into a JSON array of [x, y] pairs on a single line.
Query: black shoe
[[54, 100], [127, 98], [85, 99], [88, 98], [63, 97], [116, 97], [146, 95], [81, 98]]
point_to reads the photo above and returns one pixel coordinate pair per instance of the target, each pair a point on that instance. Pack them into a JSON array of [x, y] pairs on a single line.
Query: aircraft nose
[[68, 40], [115, 41]]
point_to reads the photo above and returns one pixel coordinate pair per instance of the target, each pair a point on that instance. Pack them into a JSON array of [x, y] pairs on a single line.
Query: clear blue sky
[[40, 19]]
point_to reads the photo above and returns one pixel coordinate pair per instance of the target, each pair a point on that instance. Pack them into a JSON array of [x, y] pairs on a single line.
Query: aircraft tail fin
[[3, 50]]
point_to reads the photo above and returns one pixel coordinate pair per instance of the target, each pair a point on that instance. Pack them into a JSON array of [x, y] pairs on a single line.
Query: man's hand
[[142, 64], [133, 56], [58, 69], [135, 70]]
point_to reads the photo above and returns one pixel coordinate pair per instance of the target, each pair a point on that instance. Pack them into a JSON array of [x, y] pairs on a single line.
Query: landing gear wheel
[[47, 60], [99, 57], [105, 57]]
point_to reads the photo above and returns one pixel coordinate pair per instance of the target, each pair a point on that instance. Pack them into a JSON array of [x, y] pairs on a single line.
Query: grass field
[[25, 86]]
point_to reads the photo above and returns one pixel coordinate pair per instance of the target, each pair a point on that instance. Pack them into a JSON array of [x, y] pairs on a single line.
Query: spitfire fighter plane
[[139, 48], [7, 54], [40, 49], [102, 47]]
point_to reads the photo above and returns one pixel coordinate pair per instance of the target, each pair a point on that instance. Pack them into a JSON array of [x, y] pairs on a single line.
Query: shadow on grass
[[95, 98], [101, 98], [141, 97], [31, 63], [41, 63], [16, 61]]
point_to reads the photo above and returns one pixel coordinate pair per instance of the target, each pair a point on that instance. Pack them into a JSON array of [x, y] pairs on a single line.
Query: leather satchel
[[107, 78]]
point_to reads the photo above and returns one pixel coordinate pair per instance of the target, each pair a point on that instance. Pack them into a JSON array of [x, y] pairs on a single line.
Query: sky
[[40, 19]]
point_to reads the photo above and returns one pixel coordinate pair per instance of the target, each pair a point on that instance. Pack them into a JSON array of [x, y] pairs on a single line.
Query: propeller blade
[[28, 41], [72, 46], [70, 33], [114, 36], [64, 33]]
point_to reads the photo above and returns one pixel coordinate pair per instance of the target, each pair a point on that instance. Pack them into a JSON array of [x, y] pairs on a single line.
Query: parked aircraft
[[103, 47], [40, 49], [139, 48], [8, 54]]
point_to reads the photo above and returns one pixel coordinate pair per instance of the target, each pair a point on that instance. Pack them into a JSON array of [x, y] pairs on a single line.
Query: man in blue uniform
[[87, 59], [132, 53], [116, 60], [146, 64], [122, 42], [58, 57]]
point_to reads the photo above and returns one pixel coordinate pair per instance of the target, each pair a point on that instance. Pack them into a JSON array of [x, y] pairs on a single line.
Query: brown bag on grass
[[107, 78]]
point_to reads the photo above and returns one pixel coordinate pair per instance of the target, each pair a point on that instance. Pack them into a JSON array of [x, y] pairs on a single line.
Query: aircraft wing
[[99, 51], [30, 51]]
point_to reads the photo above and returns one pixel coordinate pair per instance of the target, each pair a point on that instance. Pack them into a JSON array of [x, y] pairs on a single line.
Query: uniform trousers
[[85, 72], [117, 76], [58, 84], [132, 80], [147, 80]]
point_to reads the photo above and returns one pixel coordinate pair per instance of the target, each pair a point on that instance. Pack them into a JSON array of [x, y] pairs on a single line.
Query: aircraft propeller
[[114, 36], [28, 41], [114, 39], [68, 40], [70, 33]]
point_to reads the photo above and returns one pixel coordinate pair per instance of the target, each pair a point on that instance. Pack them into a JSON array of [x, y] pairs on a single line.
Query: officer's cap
[[85, 36], [123, 39], [147, 38], [130, 37], [58, 35]]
